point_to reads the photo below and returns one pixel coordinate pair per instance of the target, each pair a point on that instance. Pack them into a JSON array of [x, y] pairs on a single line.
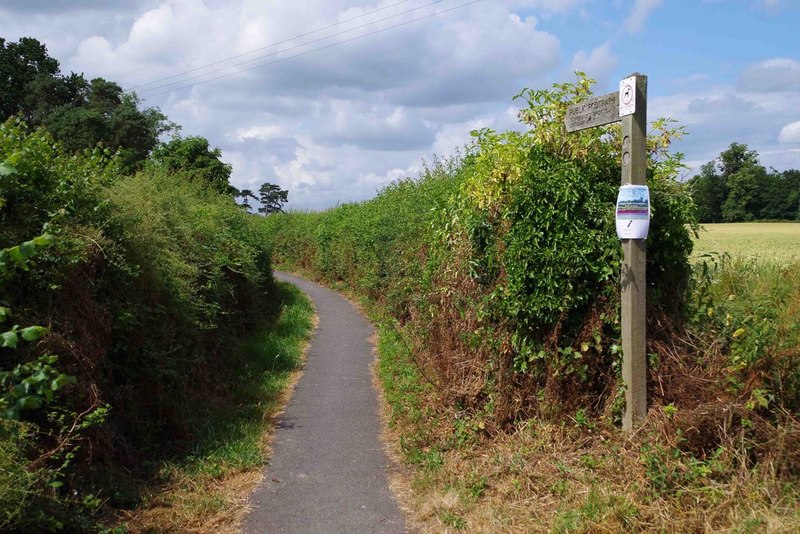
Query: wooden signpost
[[628, 105]]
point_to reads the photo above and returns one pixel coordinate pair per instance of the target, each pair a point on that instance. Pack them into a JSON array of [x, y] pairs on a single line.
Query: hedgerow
[[141, 284], [501, 290], [505, 260]]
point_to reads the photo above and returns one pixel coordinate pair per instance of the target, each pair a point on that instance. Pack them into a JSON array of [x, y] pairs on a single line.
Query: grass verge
[[206, 491], [576, 475]]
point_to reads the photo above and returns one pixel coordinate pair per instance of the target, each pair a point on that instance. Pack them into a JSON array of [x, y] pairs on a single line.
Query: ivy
[[30, 386]]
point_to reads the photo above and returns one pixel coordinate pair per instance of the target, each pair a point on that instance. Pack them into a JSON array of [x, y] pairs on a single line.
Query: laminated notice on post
[[633, 212]]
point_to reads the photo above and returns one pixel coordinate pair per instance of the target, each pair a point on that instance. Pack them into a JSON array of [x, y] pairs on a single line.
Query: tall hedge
[[122, 297], [508, 273]]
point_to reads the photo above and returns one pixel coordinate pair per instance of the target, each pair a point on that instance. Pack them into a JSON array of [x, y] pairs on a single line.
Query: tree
[[792, 180], [78, 113], [272, 198], [742, 203], [776, 198], [736, 157], [246, 194], [711, 189], [23, 65], [194, 156], [103, 113]]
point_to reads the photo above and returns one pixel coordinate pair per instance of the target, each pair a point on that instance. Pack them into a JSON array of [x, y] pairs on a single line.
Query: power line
[[301, 45], [368, 13]]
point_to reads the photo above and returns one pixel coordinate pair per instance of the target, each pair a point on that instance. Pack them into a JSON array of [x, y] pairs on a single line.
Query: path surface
[[327, 472]]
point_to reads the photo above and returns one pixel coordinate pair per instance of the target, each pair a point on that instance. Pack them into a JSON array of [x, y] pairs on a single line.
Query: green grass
[[232, 436], [204, 490], [771, 242]]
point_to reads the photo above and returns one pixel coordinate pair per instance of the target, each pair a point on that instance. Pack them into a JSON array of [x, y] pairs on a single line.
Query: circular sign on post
[[627, 96]]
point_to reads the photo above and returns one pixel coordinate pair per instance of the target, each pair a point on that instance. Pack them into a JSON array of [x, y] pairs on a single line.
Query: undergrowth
[[119, 296]]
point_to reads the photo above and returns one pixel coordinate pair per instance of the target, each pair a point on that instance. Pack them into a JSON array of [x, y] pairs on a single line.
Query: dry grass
[[544, 477], [578, 474], [196, 505], [772, 242]]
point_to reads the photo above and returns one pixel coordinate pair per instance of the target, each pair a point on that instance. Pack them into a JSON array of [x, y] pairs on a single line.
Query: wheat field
[[769, 242]]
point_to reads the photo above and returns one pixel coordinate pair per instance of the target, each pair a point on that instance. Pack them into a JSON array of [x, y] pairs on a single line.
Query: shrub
[[144, 282], [525, 302], [505, 259]]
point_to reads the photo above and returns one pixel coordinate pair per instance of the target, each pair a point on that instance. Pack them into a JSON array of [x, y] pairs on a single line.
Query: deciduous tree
[[194, 156]]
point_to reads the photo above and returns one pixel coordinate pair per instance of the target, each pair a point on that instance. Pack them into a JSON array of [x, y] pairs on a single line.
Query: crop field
[[769, 242]]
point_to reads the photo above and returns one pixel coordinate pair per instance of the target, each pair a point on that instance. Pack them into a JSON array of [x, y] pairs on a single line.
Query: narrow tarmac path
[[327, 472]]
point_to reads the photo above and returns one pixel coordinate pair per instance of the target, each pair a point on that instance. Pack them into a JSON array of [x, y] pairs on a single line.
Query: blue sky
[[684, 38], [336, 125]]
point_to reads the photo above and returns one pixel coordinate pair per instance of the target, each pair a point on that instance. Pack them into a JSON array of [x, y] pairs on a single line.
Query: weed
[[597, 512], [475, 485], [451, 519]]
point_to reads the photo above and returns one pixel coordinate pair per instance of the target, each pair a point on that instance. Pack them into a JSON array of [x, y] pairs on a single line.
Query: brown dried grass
[[728, 467]]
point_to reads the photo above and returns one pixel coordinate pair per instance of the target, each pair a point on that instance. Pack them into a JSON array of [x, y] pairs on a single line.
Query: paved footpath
[[327, 472]]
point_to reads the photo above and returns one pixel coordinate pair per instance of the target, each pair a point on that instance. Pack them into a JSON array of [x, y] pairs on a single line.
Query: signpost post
[[630, 106]]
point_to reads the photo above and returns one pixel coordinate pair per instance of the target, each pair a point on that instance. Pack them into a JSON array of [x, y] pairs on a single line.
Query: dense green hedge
[[375, 246], [505, 261], [144, 283]]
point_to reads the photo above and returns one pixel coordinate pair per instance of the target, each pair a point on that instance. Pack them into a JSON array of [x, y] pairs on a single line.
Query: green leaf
[[32, 333], [27, 249], [5, 313], [9, 339], [29, 403], [62, 381], [7, 169], [43, 240]]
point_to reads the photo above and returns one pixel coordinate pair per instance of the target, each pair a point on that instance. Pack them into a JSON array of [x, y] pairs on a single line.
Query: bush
[[376, 246], [524, 307]]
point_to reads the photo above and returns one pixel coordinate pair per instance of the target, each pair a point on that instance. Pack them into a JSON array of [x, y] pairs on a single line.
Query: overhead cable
[[294, 47], [300, 54], [368, 13]]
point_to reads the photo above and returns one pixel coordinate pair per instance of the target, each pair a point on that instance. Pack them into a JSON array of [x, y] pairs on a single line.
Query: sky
[[335, 99]]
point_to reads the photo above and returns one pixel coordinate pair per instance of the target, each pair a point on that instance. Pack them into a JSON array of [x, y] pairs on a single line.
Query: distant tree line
[[735, 187]]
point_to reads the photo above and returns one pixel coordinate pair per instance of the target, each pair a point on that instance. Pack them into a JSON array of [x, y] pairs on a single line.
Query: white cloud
[[639, 14], [771, 75], [551, 6], [597, 64], [790, 133], [727, 102], [713, 124], [262, 133], [373, 127], [336, 124]]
